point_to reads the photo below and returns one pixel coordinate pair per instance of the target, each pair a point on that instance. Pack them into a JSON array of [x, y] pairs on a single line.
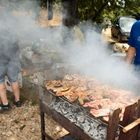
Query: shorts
[[11, 70]]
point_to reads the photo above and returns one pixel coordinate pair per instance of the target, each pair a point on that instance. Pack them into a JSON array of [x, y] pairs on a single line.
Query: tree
[[97, 10], [91, 9]]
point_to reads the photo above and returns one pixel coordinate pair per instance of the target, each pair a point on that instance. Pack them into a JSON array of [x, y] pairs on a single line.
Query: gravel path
[[24, 123]]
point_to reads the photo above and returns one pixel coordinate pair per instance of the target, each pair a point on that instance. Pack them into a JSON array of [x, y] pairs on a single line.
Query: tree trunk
[[70, 12]]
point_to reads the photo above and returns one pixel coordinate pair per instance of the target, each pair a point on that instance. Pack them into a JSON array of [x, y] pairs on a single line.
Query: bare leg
[[3, 95], [16, 91]]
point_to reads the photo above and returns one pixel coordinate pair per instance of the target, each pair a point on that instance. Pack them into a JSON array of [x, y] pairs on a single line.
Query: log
[[131, 125]]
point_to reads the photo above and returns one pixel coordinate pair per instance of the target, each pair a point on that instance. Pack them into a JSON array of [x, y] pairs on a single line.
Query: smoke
[[94, 59], [86, 54]]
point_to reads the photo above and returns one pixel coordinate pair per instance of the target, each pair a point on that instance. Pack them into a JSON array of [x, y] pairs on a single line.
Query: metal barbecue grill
[[81, 124], [77, 120], [72, 117]]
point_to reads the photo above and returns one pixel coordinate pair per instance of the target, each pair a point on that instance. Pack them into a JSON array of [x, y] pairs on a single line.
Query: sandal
[[5, 107], [18, 103]]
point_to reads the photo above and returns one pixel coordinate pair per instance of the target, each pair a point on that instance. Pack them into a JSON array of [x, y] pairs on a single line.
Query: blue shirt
[[134, 41]]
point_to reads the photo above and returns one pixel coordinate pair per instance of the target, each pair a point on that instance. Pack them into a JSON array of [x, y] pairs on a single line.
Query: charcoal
[[76, 114], [72, 118], [86, 126], [55, 106], [80, 118], [93, 125], [93, 133], [66, 105], [64, 111]]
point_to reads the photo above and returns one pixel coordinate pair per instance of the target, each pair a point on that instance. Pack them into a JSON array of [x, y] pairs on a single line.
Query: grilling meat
[[68, 77], [71, 96], [100, 99], [97, 104], [100, 112], [53, 84], [64, 89]]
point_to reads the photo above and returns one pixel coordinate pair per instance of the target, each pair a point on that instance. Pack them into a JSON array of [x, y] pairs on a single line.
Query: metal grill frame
[[131, 113], [63, 121]]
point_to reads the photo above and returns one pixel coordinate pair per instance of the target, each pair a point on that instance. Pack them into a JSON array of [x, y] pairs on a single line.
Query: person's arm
[[130, 54], [132, 44]]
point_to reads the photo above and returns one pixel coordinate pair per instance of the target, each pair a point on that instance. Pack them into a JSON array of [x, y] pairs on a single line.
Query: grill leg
[[42, 116]]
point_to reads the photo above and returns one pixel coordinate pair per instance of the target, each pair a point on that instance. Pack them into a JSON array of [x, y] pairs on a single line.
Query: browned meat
[[93, 104], [100, 112], [65, 89], [68, 77], [61, 91], [99, 98], [96, 97], [81, 88], [53, 84], [97, 104], [71, 96]]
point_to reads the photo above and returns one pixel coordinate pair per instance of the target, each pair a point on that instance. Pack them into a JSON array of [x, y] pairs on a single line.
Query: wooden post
[[113, 125], [138, 109], [131, 114]]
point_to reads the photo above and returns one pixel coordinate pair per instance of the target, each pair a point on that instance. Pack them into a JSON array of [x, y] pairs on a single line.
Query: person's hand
[[130, 55]]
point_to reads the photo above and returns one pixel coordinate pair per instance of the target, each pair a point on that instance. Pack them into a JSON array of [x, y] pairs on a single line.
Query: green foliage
[[97, 10], [90, 9]]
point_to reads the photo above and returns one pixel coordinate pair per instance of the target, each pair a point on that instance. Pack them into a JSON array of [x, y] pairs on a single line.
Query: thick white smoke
[[93, 59], [89, 57]]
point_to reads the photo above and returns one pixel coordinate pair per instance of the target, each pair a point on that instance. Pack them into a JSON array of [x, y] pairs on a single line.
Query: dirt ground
[[24, 123]]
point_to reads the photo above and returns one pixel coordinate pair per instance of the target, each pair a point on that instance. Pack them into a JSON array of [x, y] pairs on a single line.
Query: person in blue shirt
[[133, 54]]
